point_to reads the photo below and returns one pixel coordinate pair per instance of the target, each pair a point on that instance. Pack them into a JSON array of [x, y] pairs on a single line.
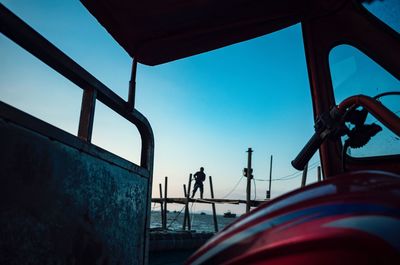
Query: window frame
[[320, 36]]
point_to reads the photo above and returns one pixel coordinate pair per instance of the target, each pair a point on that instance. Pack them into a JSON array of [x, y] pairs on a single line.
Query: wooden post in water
[[213, 206], [187, 214], [248, 175], [165, 202], [304, 177], [162, 207], [319, 173]]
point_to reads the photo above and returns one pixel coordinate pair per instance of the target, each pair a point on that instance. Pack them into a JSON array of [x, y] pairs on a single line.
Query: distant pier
[[164, 200], [253, 203]]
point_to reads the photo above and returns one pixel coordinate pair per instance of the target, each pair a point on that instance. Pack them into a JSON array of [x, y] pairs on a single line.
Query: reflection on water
[[200, 223]]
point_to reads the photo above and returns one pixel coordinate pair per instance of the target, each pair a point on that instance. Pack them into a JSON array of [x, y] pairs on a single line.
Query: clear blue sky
[[205, 110]]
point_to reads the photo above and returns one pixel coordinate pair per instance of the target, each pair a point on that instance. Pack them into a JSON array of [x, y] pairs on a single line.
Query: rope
[[292, 175], [255, 189], [234, 188], [176, 217], [155, 205]]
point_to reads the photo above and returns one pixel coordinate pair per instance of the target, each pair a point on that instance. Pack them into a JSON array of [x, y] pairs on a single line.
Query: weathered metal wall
[[62, 205]]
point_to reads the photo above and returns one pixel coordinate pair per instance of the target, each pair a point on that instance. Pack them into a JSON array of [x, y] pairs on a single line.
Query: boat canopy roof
[[159, 31]]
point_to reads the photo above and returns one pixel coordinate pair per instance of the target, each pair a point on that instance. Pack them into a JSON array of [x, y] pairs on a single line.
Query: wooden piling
[[162, 206], [213, 206], [304, 177], [165, 202], [187, 214]]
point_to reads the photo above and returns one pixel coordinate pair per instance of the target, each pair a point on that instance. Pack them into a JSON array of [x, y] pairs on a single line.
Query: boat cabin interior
[[61, 194]]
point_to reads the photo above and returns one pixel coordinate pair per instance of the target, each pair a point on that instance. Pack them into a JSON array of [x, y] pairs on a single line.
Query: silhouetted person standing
[[199, 176]]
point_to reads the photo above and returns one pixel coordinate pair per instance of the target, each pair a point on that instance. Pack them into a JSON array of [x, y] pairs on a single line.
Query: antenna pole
[[132, 86]]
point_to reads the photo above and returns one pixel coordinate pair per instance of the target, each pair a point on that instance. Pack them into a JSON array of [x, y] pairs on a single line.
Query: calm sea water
[[200, 223]]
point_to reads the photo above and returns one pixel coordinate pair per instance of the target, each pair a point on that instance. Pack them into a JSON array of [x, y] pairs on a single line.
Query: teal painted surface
[[59, 205]]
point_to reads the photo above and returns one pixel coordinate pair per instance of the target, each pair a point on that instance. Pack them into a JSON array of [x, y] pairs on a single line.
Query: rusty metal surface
[[29, 122], [62, 205]]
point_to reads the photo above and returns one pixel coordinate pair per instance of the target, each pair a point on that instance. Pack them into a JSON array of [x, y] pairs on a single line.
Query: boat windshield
[[388, 11], [355, 73]]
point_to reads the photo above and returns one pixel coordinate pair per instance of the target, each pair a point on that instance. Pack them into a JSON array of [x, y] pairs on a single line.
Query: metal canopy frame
[[163, 31]]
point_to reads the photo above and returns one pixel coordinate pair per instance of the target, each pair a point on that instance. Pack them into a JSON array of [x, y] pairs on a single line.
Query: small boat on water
[[202, 213], [229, 214]]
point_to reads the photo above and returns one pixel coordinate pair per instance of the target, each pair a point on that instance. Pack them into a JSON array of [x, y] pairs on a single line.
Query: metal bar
[[319, 173], [147, 161], [248, 175], [162, 205], [132, 86], [213, 206], [304, 177], [87, 114], [165, 202]]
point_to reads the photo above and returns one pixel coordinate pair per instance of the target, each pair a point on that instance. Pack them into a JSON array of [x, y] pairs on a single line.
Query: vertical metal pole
[[270, 179], [304, 177], [132, 86], [213, 206], [319, 173], [165, 202], [87, 114], [162, 206], [248, 175]]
